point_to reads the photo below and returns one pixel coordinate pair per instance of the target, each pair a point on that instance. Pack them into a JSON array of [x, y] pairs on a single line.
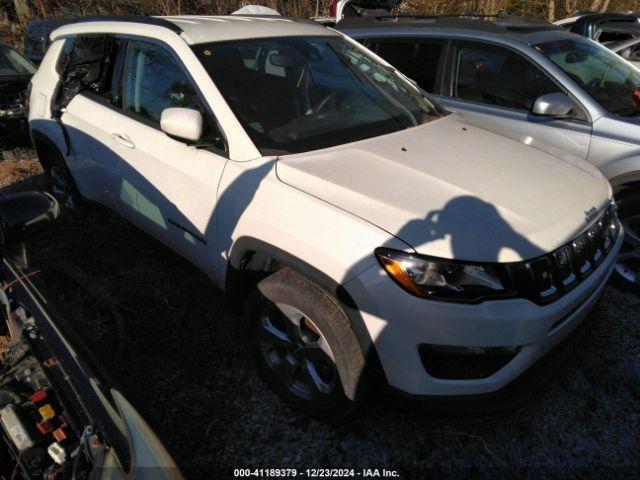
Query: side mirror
[[182, 123], [556, 105], [24, 214]]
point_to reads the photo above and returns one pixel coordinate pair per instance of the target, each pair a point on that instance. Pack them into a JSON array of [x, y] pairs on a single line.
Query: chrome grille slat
[[571, 264]]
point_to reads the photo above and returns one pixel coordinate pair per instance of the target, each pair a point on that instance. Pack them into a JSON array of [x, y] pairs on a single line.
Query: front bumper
[[399, 323]]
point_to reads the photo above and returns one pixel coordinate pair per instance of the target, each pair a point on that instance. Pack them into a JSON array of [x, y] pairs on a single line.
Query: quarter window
[[496, 76]]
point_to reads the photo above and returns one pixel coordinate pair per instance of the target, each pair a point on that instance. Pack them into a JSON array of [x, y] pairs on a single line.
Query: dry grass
[[20, 170]]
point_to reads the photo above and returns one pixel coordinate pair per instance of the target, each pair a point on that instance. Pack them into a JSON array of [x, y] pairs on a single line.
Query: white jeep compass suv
[[371, 226]]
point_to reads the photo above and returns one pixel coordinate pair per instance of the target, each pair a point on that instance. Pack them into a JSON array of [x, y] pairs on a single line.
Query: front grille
[[549, 277]]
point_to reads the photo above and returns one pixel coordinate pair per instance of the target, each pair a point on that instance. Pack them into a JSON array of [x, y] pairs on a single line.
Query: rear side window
[[496, 76], [419, 61], [86, 66]]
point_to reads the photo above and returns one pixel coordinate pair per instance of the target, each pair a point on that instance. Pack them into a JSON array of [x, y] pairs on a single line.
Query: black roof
[[486, 23]]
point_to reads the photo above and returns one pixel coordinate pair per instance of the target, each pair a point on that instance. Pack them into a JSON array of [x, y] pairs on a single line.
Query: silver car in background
[[531, 81]]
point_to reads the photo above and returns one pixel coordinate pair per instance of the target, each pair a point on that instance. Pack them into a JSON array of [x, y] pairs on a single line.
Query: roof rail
[[500, 22], [156, 21], [462, 16]]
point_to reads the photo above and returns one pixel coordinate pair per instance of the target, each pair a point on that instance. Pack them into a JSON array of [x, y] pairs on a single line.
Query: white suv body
[[341, 217]]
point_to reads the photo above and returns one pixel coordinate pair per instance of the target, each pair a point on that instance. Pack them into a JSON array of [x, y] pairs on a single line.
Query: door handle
[[123, 140]]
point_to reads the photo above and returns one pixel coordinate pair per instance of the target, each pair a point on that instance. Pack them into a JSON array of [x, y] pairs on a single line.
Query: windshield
[[12, 64], [299, 94], [610, 80]]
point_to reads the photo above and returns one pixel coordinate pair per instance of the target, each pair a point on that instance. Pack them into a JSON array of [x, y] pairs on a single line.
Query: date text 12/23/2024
[[315, 473]]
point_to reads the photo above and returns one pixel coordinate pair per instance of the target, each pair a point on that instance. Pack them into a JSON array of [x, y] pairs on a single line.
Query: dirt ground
[[168, 337]]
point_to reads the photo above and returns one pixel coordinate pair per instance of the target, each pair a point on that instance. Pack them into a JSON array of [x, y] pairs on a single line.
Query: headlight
[[447, 280]]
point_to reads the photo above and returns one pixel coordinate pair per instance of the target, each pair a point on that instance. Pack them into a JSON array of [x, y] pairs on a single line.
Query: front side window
[[609, 79], [12, 64], [497, 76], [298, 94], [153, 82]]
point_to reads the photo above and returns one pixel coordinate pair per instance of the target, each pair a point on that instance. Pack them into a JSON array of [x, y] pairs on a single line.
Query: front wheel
[[627, 269], [304, 346]]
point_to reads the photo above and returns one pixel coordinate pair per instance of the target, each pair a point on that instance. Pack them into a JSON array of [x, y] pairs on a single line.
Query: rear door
[[495, 88], [90, 115]]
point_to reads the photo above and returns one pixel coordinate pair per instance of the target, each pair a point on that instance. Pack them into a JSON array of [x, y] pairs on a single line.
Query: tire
[[61, 182], [627, 270], [312, 360]]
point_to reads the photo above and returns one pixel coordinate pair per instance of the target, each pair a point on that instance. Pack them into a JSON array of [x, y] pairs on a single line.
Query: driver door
[[495, 88]]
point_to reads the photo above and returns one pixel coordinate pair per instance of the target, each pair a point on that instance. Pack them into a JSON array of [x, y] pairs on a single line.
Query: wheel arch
[[237, 286], [626, 183], [43, 146]]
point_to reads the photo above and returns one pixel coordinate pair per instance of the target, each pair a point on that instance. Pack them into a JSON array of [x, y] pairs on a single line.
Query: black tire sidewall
[[324, 310]]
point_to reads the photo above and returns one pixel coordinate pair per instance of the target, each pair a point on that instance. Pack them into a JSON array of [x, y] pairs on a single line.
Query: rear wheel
[[61, 183], [304, 346], [627, 269]]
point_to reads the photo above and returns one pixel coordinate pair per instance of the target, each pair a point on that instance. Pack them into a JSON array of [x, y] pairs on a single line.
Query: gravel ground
[[176, 348]]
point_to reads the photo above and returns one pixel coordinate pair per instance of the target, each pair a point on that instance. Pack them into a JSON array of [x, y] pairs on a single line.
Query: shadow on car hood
[[455, 191]]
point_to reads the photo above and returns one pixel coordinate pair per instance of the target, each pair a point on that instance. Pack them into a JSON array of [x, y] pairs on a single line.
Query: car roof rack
[[143, 19], [499, 23]]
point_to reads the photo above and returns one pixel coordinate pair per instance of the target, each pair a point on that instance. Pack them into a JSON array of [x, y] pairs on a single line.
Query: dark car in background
[[36, 39], [15, 73]]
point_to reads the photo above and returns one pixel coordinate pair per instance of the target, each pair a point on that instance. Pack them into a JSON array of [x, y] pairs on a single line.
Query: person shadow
[[475, 229]]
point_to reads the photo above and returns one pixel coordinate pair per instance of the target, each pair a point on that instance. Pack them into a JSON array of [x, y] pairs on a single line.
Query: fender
[[245, 245]]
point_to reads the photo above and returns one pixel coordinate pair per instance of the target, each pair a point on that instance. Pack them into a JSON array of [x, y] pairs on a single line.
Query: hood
[[452, 190]]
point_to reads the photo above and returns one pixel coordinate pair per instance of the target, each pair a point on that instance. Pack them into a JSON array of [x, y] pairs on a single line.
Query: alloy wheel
[[295, 349]]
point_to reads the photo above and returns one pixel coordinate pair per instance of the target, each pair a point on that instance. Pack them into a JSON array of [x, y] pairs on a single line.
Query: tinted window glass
[[417, 61], [608, 78], [304, 94], [612, 37], [428, 61], [400, 55], [496, 76]]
